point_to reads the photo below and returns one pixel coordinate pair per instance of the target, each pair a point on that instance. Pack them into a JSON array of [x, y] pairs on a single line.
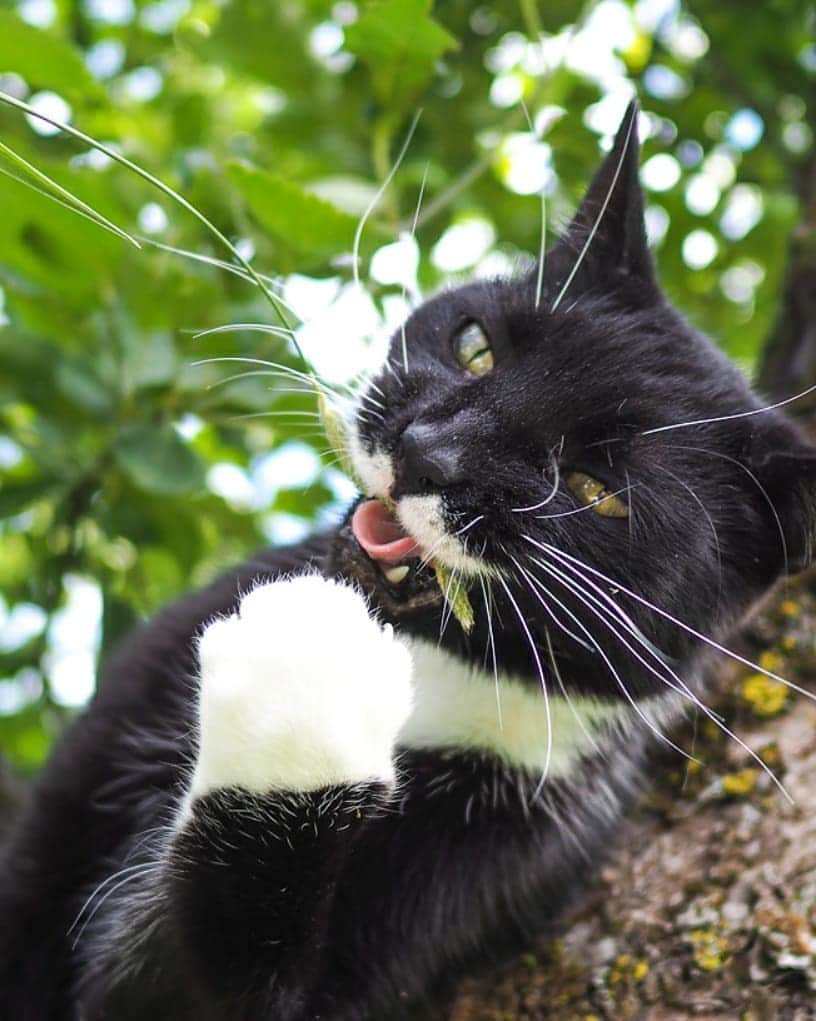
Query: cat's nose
[[428, 460]]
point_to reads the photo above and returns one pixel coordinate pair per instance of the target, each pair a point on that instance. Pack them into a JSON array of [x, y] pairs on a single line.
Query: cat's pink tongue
[[381, 535]]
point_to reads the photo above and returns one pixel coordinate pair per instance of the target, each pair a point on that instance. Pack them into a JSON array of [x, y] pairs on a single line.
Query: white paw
[[300, 689]]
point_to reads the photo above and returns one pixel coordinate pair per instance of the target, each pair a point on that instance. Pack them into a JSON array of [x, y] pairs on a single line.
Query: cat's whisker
[[540, 671], [706, 515], [470, 525], [280, 368], [150, 868], [543, 242], [490, 648], [565, 693], [681, 687], [363, 396], [586, 507], [275, 331], [550, 496], [762, 490], [368, 380], [404, 287], [358, 234], [100, 887], [730, 418], [610, 666], [699, 635], [554, 616], [599, 217], [447, 610]]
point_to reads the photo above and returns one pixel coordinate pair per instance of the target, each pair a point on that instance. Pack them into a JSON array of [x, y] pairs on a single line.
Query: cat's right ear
[[607, 235]]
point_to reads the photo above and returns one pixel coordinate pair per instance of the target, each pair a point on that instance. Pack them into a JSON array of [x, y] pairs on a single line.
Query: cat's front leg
[[302, 695]]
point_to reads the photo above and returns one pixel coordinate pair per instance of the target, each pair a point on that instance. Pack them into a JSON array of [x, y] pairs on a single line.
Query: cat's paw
[[300, 689]]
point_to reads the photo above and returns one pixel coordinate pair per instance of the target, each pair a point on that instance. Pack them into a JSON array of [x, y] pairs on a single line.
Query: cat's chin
[[406, 587]]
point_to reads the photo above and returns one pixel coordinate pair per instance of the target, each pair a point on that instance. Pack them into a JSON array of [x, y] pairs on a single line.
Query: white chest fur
[[458, 706]]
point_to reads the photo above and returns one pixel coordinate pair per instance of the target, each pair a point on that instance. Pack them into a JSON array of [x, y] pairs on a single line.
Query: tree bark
[[788, 364]]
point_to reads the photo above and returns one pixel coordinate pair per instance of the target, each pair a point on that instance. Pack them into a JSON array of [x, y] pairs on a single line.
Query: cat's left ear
[[788, 477], [608, 228]]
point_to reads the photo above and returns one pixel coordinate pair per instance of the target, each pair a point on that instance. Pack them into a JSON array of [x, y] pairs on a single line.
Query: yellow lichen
[[740, 783], [640, 970], [771, 660], [790, 608], [765, 696], [709, 949], [789, 643], [770, 754]]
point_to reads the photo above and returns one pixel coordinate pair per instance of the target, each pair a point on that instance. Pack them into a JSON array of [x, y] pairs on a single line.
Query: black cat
[[307, 792]]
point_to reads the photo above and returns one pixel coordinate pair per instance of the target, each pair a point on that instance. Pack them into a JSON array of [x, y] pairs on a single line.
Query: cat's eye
[[473, 351], [592, 493]]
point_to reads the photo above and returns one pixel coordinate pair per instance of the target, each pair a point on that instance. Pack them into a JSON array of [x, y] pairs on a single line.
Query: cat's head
[[527, 432]]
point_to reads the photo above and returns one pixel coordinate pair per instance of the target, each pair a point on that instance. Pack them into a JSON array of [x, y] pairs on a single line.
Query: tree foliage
[[129, 471]]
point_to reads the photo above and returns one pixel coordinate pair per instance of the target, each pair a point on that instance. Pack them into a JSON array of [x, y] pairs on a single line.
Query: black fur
[[367, 901]]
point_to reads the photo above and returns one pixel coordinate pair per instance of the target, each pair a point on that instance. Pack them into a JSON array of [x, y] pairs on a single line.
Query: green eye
[[473, 351], [594, 494]]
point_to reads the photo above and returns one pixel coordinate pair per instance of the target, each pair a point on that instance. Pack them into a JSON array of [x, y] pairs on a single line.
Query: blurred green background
[[127, 475]]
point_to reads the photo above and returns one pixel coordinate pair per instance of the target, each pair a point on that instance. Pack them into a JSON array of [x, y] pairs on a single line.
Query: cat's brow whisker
[[599, 217], [358, 234], [543, 241], [541, 675], [730, 418], [681, 687], [404, 287]]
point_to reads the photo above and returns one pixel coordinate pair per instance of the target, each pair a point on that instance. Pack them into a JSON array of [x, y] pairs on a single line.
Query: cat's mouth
[[385, 540], [377, 551]]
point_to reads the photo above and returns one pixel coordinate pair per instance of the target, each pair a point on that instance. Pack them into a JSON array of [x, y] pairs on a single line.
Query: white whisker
[[358, 234], [730, 418]]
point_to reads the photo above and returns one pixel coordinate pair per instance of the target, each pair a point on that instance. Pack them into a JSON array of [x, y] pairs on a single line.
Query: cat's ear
[[608, 234], [788, 477]]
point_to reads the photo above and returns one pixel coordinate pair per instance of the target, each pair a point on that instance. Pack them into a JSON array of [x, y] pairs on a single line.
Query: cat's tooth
[[396, 575]]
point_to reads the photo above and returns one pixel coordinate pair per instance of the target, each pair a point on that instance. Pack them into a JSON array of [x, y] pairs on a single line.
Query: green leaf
[[455, 595], [78, 379], [157, 460], [44, 60], [295, 217], [18, 494], [401, 43]]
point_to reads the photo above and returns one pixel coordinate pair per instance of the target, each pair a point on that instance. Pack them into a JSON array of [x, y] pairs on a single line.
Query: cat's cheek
[[300, 690]]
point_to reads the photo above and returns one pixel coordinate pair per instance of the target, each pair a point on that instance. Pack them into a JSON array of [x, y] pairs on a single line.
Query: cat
[[309, 791]]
